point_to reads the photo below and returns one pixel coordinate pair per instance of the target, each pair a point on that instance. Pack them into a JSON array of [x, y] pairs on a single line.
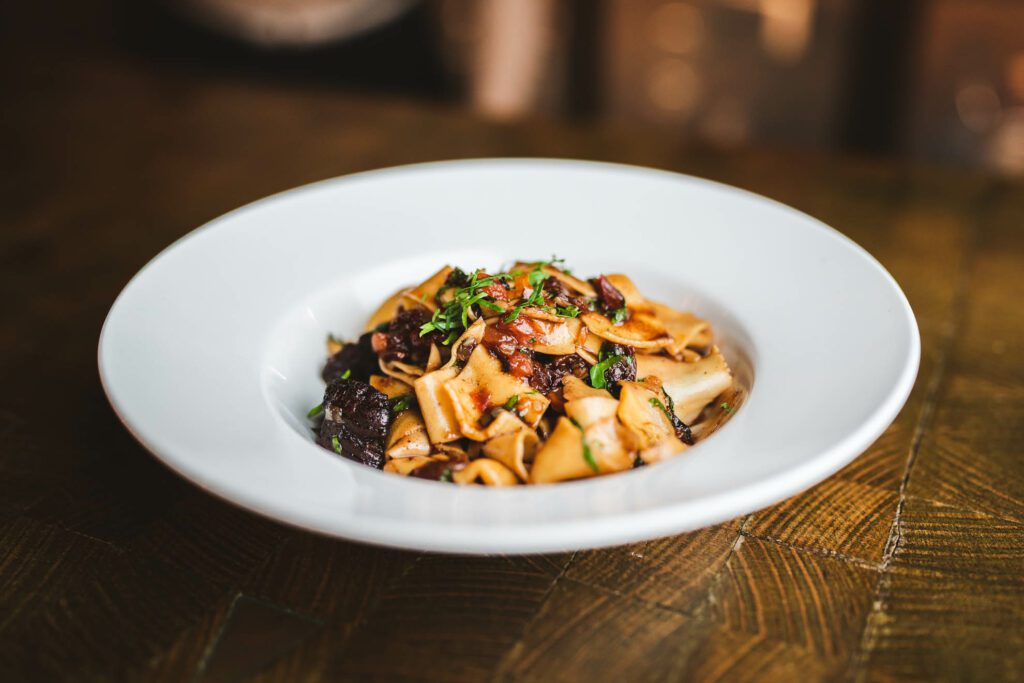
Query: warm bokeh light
[[1015, 76], [978, 106], [727, 123], [674, 85], [676, 27]]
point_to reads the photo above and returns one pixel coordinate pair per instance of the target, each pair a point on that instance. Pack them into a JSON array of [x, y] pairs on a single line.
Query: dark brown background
[[905, 565]]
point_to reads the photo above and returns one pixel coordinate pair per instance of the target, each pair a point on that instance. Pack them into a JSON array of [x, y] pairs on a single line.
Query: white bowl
[[211, 354]]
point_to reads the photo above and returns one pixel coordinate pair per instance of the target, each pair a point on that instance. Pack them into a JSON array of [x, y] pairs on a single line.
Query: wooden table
[[908, 564]]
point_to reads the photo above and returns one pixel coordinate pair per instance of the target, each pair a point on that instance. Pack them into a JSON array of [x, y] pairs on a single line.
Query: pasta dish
[[528, 376]]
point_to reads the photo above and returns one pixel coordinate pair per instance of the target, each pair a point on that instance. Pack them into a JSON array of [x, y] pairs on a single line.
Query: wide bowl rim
[[548, 536]]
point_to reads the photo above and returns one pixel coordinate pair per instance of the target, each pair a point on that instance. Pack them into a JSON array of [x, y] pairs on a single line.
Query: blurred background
[[938, 81]]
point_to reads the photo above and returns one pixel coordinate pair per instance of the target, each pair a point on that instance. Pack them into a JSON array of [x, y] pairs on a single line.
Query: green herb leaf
[[335, 444], [726, 407], [400, 403], [346, 374], [446, 475], [588, 456], [661, 406], [568, 311], [511, 402], [597, 370], [315, 410], [537, 277], [490, 305], [619, 315]]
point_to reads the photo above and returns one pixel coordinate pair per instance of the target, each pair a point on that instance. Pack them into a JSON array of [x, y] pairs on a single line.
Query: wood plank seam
[[946, 504], [698, 609], [212, 645], [958, 310], [644, 601], [820, 552], [57, 526], [565, 567], [287, 610], [370, 607], [709, 596], [699, 605], [509, 655]]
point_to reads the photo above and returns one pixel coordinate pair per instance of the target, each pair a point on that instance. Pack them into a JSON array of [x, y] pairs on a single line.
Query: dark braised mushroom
[[357, 359], [608, 297], [357, 418], [559, 294], [681, 429], [402, 340], [548, 372], [465, 350]]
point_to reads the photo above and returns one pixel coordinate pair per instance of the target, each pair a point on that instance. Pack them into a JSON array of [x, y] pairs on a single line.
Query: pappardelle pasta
[[527, 376]]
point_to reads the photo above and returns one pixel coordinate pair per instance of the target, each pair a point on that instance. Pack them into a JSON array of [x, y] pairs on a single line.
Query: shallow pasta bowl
[[211, 354]]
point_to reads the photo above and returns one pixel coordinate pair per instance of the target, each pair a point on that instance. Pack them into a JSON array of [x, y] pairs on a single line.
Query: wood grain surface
[[906, 565]]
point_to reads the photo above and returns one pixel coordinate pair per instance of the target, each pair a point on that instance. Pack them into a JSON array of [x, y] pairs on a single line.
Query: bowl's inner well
[[296, 350]]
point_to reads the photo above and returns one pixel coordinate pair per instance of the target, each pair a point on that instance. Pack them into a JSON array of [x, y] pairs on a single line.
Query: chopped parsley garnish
[[511, 402], [567, 311], [537, 276], [336, 444], [726, 407], [453, 317], [400, 403], [536, 298], [315, 410], [470, 299], [490, 306], [446, 475], [619, 315], [346, 374], [588, 456]]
